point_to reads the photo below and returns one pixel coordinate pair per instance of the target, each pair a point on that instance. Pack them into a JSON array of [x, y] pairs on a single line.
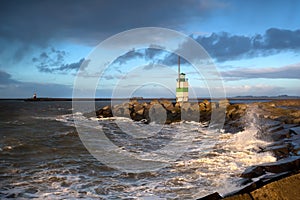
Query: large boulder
[[104, 112]]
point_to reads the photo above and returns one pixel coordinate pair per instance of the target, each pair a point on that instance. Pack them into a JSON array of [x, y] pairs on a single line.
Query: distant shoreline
[[144, 99]]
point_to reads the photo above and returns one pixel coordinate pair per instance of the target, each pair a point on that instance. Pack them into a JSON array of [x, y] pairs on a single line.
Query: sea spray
[[53, 163]]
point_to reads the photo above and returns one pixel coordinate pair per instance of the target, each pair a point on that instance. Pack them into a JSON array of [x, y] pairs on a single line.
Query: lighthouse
[[182, 89]]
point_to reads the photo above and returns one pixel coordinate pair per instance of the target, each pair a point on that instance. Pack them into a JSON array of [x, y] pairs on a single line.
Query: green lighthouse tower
[[182, 89]]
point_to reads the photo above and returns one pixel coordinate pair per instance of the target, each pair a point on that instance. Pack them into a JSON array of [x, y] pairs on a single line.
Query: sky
[[46, 45]]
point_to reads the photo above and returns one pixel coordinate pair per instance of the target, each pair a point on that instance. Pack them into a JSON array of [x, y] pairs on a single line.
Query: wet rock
[[168, 105], [268, 178], [253, 172], [287, 164], [12, 195], [271, 186], [224, 103], [281, 151], [284, 165], [286, 188], [104, 112], [275, 128], [295, 130], [206, 105], [235, 112], [281, 134], [239, 197], [157, 114], [213, 196], [121, 110], [294, 142]]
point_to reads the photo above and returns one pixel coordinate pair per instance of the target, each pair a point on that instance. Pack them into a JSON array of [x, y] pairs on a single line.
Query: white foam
[[213, 162]]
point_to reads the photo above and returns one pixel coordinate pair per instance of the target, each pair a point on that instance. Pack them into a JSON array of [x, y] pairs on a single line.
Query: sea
[[43, 155]]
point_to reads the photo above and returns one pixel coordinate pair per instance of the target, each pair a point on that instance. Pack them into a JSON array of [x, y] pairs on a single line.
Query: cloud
[[224, 46], [5, 78], [74, 66], [133, 54], [285, 72], [38, 22], [280, 39], [53, 60], [50, 61]]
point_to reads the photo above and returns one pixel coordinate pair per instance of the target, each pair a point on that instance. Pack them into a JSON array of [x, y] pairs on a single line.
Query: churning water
[[42, 156]]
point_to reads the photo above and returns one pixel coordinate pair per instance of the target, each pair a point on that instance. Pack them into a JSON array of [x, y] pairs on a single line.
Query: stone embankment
[[164, 111], [277, 122]]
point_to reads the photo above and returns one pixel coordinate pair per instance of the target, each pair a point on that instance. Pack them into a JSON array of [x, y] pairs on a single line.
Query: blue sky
[[255, 45]]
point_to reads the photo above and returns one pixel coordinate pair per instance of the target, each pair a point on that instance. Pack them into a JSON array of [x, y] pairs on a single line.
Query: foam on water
[[213, 162]]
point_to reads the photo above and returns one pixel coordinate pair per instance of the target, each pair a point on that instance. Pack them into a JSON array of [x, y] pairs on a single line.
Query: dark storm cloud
[[51, 66], [133, 54], [285, 72], [153, 51], [224, 46], [146, 54], [37, 22], [73, 66], [5, 78]]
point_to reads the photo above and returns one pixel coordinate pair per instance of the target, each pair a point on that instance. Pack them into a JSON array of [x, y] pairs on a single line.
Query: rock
[[250, 187], [231, 109], [287, 164], [239, 197], [288, 126], [275, 128], [213, 196], [224, 103], [168, 105], [185, 106], [291, 103], [140, 112], [281, 134], [190, 111], [205, 105], [268, 124], [137, 107], [295, 130], [286, 188], [268, 178], [157, 114], [281, 151], [202, 112], [253, 171], [121, 110], [105, 112], [274, 186], [154, 101]]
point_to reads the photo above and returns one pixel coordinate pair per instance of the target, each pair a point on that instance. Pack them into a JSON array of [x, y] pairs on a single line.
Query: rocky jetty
[[164, 111], [276, 121]]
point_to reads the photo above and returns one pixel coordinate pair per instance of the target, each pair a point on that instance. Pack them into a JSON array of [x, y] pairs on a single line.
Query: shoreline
[[149, 99]]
